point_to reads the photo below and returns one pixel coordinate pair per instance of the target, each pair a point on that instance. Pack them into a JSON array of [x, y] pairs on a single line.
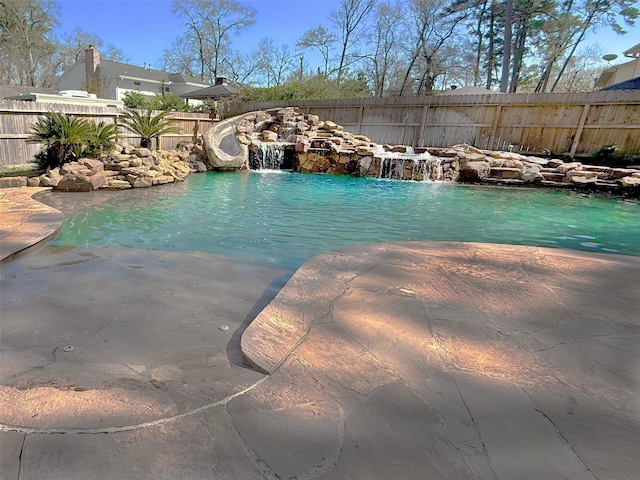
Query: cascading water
[[268, 156], [408, 165]]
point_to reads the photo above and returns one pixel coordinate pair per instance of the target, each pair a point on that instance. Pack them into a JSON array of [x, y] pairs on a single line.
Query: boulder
[[581, 176], [51, 179], [78, 182], [13, 182], [142, 152], [630, 182], [74, 168], [532, 175], [115, 184], [364, 150], [268, 136], [163, 179], [566, 167], [94, 166], [474, 171], [140, 181]]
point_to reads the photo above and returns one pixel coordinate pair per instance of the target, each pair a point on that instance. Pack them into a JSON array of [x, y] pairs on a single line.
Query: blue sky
[[142, 29]]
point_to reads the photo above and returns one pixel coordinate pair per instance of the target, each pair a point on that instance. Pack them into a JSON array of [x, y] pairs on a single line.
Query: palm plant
[[148, 126], [102, 138], [63, 137]]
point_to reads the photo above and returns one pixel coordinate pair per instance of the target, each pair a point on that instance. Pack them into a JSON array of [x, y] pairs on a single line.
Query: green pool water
[[287, 218]]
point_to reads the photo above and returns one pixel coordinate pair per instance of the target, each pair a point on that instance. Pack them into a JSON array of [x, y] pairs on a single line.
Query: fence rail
[[16, 118], [574, 124]]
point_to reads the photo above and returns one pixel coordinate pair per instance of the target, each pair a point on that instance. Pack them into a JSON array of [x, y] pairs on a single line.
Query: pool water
[[285, 218]]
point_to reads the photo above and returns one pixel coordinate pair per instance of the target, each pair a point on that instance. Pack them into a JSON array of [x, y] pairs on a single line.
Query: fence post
[[494, 127], [576, 138]]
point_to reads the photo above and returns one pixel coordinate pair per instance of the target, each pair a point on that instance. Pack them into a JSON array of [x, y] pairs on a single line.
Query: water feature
[[286, 218], [408, 165], [270, 156]]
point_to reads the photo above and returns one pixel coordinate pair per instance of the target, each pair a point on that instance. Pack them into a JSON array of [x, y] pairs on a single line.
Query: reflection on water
[[285, 219]]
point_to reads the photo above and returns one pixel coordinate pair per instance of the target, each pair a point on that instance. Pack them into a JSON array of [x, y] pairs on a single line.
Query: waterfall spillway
[[409, 165], [268, 156]]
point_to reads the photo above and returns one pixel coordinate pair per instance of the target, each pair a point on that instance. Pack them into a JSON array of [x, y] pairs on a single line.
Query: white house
[[623, 72], [115, 78]]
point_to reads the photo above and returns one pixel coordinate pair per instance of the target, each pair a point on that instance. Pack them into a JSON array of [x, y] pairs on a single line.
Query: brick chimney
[[221, 80], [91, 61]]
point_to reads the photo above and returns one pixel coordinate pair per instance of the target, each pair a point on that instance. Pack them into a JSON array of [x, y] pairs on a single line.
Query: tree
[[26, 41], [319, 39], [598, 13], [209, 25], [383, 36], [274, 63], [348, 19], [431, 24]]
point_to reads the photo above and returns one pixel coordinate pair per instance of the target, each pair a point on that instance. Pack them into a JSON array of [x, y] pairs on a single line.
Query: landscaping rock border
[[125, 167]]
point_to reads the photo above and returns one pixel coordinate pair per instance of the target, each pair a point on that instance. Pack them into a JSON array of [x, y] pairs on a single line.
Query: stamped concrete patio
[[414, 360]]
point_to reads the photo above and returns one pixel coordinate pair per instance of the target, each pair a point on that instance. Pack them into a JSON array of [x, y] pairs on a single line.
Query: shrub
[[168, 101], [63, 138], [135, 100], [148, 126], [102, 139]]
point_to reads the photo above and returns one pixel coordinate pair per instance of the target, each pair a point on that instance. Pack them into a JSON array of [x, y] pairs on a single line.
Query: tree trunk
[[491, 45], [506, 51]]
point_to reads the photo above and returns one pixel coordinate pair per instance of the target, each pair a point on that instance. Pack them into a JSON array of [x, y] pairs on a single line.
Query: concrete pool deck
[[407, 360]]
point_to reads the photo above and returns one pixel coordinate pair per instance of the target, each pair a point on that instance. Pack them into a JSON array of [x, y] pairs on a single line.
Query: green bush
[[102, 139], [63, 138], [148, 126], [135, 100], [167, 102]]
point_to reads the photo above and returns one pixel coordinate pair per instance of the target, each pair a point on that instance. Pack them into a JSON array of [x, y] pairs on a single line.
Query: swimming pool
[[285, 218]]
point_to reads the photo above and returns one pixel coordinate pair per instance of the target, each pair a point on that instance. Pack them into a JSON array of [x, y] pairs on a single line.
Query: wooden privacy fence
[[573, 124], [16, 118]]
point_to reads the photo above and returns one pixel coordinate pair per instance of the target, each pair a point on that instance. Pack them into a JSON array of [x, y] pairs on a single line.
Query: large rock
[[567, 167], [268, 136], [12, 182], [95, 166], [581, 176], [630, 182], [51, 179], [74, 168], [78, 182], [474, 171]]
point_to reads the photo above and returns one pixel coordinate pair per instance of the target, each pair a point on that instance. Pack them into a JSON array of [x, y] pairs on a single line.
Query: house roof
[[214, 91], [633, 84], [12, 90], [117, 69], [633, 51]]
